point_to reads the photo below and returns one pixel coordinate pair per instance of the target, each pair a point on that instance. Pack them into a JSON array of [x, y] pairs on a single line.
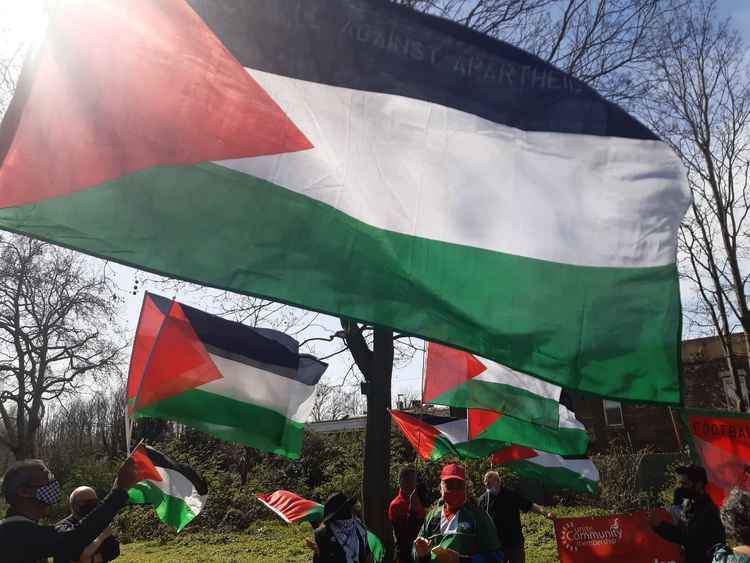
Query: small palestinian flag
[[291, 507], [720, 441], [577, 474], [435, 437], [175, 490], [459, 379], [240, 384], [365, 160]]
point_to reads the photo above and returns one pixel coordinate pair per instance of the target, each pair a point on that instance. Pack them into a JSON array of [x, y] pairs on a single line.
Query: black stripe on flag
[[377, 46], [161, 460], [266, 349]]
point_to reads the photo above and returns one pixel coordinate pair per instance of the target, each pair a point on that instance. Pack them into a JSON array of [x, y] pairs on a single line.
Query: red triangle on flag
[[447, 368], [145, 468], [120, 87], [513, 453], [480, 420], [149, 323], [179, 361], [420, 434]]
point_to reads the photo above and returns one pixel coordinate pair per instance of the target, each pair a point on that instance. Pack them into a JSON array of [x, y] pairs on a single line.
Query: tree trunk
[[376, 476]]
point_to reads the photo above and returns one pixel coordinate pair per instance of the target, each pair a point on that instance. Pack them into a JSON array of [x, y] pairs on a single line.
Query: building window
[[729, 389], [613, 413]]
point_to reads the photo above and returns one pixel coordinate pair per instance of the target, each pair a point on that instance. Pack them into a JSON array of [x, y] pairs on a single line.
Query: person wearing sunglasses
[[30, 489]]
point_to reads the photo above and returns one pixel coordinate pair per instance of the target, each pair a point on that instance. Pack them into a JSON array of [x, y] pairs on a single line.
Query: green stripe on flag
[[554, 477], [562, 441], [219, 227], [231, 420], [174, 512], [488, 395]]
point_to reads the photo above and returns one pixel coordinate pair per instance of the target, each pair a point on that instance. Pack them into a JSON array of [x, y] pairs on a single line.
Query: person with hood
[[699, 528], [341, 536], [456, 531], [504, 507], [406, 513]]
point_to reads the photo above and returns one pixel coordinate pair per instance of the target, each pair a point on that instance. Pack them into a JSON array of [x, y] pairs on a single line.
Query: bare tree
[[334, 402], [57, 321], [608, 44], [702, 108]]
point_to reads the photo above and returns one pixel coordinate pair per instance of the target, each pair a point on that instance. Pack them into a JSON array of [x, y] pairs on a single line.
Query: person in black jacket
[[106, 547], [341, 537], [699, 528], [30, 489], [504, 507]]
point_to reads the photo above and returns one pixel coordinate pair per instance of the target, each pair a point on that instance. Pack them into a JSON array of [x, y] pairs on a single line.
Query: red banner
[[621, 538], [723, 442]]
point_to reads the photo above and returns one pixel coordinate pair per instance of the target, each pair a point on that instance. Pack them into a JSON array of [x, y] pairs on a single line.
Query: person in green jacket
[[735, 515], [454, 531]]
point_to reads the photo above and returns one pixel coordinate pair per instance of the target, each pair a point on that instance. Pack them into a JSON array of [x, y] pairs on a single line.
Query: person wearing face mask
[[30, 489], [341, 537], [105, 547], [455, 531], [699, 528], [504, 507]]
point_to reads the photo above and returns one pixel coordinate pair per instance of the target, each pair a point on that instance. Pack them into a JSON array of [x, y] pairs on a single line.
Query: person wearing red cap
[[456, 532]]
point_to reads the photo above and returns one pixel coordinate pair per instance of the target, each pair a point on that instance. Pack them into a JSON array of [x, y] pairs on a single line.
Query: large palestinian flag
[[175, 490], [720, 442], [361, 159], [241, 384], [577, 474], [435, 437], [458, 379]]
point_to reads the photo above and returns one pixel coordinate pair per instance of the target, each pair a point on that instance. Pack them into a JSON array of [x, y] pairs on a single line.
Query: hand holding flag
[[127, 475]]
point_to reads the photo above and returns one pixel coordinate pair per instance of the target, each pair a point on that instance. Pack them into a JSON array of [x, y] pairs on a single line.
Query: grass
[[265, 542], [274, 542]]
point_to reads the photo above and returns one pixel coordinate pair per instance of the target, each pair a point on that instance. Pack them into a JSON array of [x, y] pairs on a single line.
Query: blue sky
[[739, 12]]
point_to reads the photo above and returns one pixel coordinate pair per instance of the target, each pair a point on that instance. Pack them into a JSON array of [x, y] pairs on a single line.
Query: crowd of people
[[457, 529], [489, 530]]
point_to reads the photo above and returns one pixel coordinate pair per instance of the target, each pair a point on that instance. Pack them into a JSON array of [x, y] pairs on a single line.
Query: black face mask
[[86, 508], [685, 493]]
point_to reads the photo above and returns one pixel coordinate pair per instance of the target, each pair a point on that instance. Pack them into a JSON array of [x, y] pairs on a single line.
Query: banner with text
[[721, 441], [620, 538]]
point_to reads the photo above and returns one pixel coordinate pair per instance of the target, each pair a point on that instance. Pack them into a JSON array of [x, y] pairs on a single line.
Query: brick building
[[706, 384]]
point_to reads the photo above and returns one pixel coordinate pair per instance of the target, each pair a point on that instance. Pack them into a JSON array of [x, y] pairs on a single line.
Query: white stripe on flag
[[249, 384], [421, 169], [457, 431], [176, 485], [498, 373], [584, 467]]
